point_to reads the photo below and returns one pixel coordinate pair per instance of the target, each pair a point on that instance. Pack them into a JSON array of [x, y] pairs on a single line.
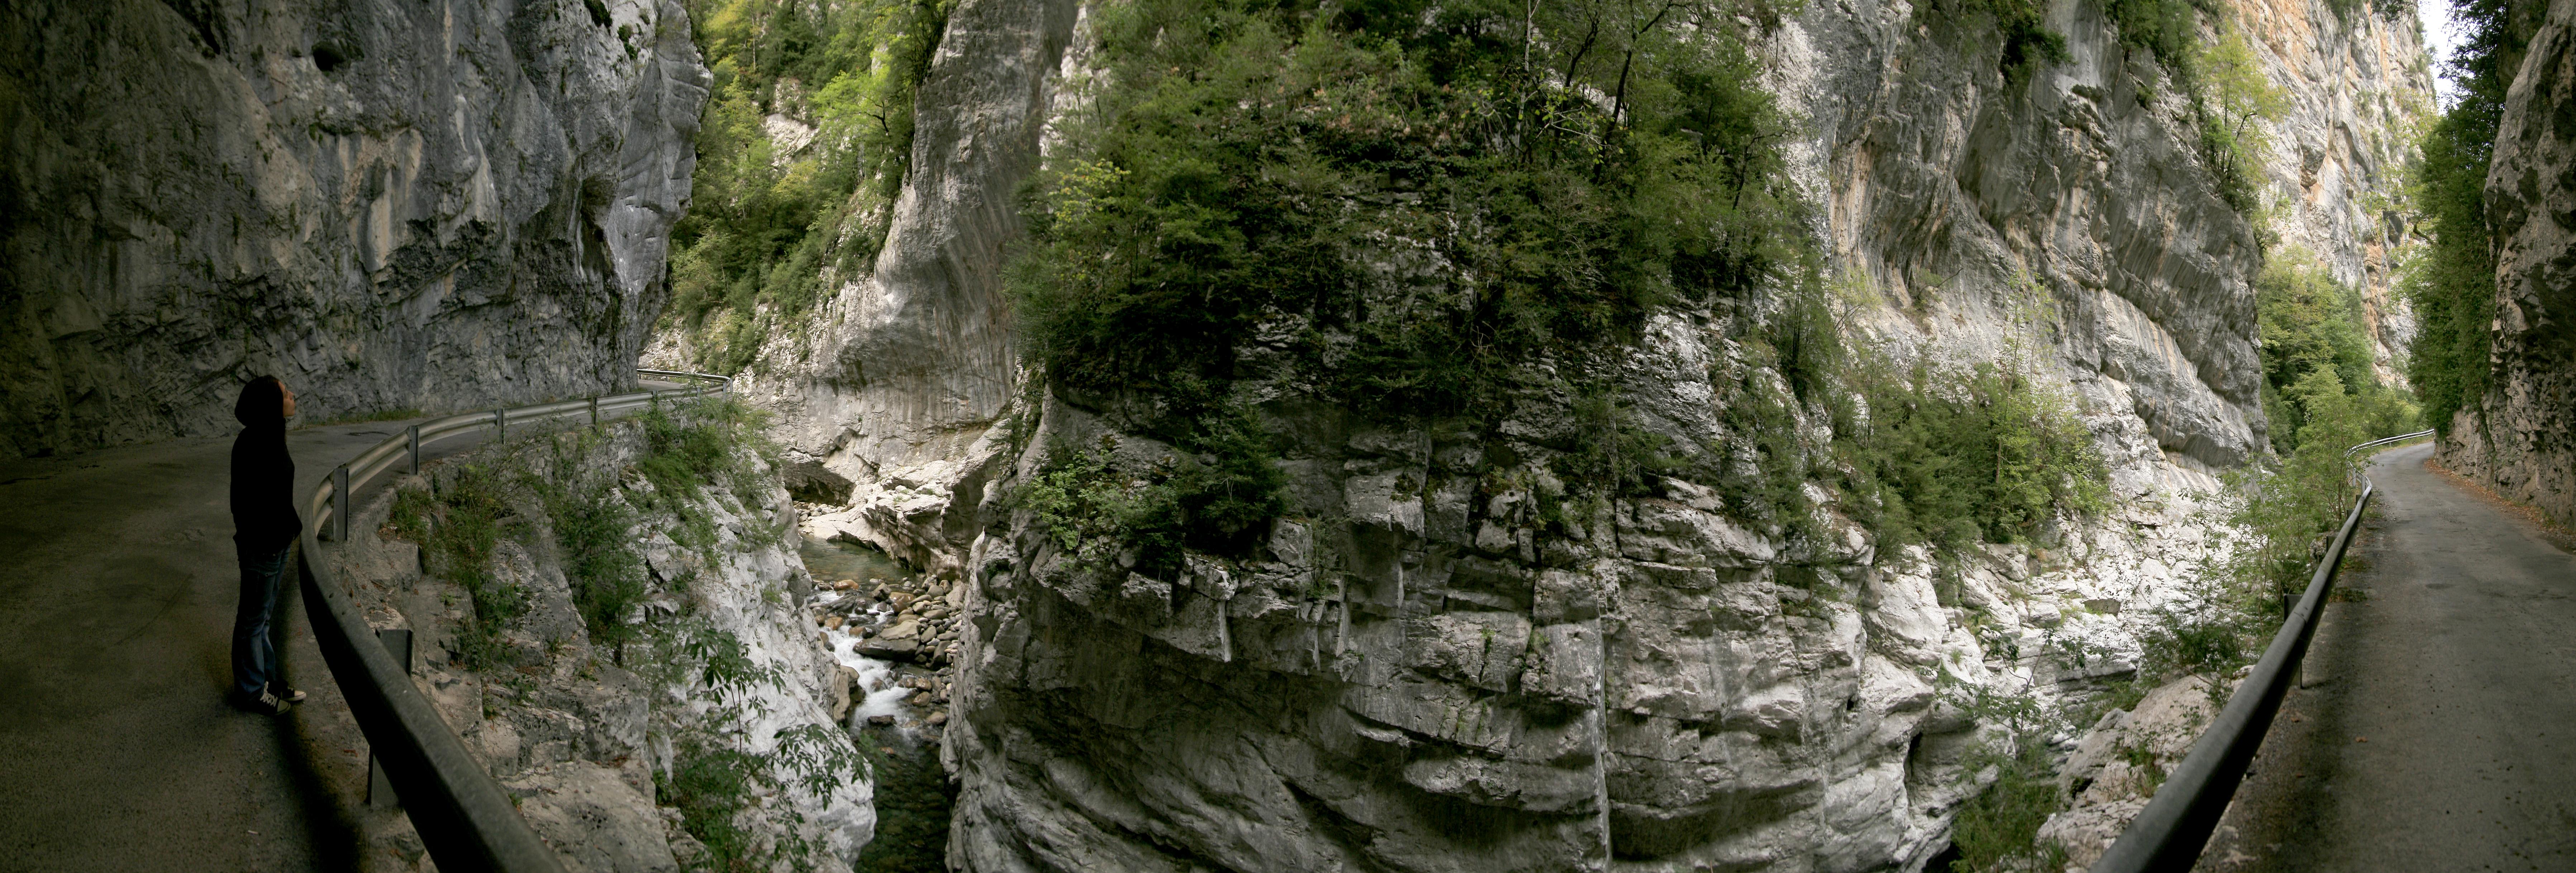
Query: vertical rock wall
[[388, 204], [888, 397], [2358, 90], [1415, 674], [2522, 437], [1411, 674]]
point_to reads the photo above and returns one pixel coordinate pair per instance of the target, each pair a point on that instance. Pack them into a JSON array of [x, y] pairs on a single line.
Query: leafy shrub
[[2312, 324], [710, 786], [2023, 24], [1142, 520], [2230, 97], [1998, 830], [458, 523], [2234, 102], [595, 533], [695, 444], [1954, 457], [1400, 203]]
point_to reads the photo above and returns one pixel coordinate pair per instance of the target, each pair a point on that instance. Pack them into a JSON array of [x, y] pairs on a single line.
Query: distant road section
[[2439, 728]]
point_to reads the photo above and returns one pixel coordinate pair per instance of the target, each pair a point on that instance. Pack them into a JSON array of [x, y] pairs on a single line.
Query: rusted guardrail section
[[2169, 834], [466, 820]]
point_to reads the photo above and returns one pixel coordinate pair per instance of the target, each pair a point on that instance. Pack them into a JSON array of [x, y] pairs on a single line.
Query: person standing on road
[[265, 527]]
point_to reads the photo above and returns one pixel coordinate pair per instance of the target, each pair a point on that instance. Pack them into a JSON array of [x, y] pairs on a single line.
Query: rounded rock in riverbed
[[881, 720]]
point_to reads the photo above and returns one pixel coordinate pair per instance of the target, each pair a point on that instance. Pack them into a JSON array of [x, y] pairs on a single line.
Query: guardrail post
[[501, 424], [415, 450], [340, 503], [594, 410]]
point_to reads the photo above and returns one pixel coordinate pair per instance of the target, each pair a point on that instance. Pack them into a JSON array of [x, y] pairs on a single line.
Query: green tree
[[2451, 283], [768, 230]]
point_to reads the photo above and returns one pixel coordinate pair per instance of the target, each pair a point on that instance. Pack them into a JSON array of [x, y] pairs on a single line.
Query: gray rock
[[597, 821], [2520, 438], [386, 205]]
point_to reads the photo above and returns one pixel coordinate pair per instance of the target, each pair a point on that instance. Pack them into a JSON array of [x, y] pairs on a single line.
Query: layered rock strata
[[2521, 437], [607, 747], [1411, 674], [390, 206]]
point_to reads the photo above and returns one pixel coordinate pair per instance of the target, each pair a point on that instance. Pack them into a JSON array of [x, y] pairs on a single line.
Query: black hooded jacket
[[264, 518]]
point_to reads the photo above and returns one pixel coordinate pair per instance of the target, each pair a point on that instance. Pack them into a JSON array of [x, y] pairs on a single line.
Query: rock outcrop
[[2521, 437], [707, 737], [888, 397], [2356, 89], [390, 206], [1412, 672]]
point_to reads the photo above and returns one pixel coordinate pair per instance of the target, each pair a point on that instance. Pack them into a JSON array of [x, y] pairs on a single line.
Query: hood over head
[[262, 403]]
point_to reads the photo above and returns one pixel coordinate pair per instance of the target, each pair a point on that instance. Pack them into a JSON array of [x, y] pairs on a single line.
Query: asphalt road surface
[[117, 589], [2438, 731]]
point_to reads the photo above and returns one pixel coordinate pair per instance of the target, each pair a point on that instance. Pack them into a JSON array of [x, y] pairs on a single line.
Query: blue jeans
[[254, 654]]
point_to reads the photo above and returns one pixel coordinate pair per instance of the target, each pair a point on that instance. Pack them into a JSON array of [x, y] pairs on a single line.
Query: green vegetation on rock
[[462, 515], [1397, 208], [2231, 99], [2316, 351], [2451, 283], [457, 526], [769, 233], [1958, 456]]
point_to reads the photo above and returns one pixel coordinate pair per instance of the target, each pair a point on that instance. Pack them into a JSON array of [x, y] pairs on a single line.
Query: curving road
[[2438, 731], [117, 750]]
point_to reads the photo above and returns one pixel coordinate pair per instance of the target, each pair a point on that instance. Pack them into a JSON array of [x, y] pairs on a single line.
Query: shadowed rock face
[[389, 205], [2522, 438]]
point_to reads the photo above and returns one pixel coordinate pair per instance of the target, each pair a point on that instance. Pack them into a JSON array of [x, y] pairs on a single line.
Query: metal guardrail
[[2170, 833], [465, 819]]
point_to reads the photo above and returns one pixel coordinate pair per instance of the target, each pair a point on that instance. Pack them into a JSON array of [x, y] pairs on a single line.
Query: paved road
[[2439, 731], [117, 750]]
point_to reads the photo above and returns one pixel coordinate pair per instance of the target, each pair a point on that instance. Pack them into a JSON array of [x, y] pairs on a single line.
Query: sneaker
[[264, 704], [284, 693]]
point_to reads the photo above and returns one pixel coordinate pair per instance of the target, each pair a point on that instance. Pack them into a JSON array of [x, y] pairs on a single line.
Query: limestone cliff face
[[427, 205], [2522, 437], [1412, 673], [888, 398], [2358, 90]]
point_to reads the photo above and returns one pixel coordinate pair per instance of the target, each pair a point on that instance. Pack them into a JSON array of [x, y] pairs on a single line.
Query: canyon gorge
[[1181, 435]]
